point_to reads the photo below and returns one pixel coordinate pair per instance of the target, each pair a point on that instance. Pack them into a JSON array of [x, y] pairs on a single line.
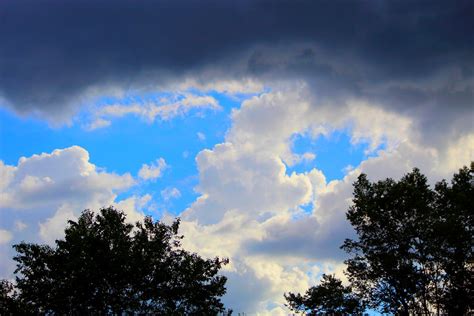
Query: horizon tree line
[[413, 255]]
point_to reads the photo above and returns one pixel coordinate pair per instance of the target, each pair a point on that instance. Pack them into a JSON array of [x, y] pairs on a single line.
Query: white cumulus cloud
[[152, 171]]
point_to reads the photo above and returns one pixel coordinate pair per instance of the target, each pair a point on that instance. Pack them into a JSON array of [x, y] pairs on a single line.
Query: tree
[[107, 266], [328, 298], [414, 244], [453, 241]]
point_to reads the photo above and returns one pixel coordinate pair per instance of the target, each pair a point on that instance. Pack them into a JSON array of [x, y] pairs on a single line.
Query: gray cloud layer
[[404, 52]]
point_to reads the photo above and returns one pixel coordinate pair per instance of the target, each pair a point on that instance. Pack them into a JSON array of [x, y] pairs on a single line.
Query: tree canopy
[[106, 266], [414, 252], [330, 297]]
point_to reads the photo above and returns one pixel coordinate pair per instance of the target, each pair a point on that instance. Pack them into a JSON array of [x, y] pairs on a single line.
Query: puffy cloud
[[268, 122], [133, 207], [53, 227], [64, 176], [43, 191], [257, 284], [6, 175], [153, 171], [232, 178]]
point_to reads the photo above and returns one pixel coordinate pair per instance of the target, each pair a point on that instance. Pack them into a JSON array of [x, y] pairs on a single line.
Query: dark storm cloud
[[52, 51]]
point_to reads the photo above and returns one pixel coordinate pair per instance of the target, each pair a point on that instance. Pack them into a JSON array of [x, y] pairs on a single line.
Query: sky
[[249, 120]]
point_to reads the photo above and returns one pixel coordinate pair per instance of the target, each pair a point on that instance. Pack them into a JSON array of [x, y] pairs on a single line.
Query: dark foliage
[[453, 242], [106, 266], [328, 298], [9, 303], [414, 252]]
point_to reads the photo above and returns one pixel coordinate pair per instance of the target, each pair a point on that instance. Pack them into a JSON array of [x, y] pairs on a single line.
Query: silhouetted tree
[[107, 266], [328, 298], [414, 248], [453, 241]]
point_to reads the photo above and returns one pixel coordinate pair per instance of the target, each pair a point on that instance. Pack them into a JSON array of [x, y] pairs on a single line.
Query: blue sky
[[126, 145], [130, 142]]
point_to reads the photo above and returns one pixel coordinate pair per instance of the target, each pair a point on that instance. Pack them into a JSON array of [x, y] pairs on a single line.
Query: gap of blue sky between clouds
[[130, 141]]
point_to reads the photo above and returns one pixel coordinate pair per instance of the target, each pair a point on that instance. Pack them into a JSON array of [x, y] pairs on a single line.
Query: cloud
[[229, 86], [268, 122], [53, 228], [63, 176], [460, 152], [153, 171], [308, 157], [318, 236], [230, 178], [170, 193], [97, 123], [41, 192], [165, 109], [133, 207]]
